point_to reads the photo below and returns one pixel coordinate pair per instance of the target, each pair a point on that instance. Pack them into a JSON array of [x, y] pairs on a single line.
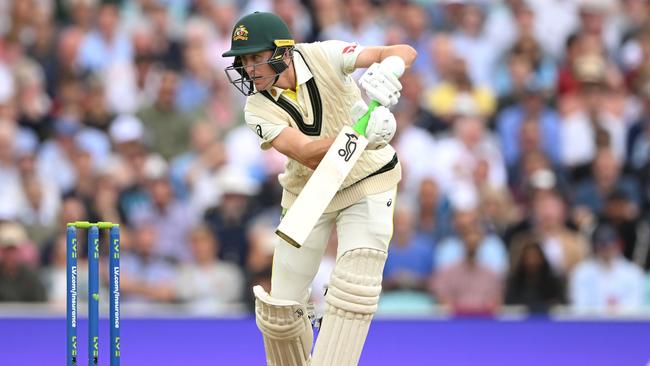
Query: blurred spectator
[[10, 186], [638, 152], [230, 218], [18, 280], [532, 283], [192, 171], [195, 84], [107, 44], [33, 104], [55, 161], [443, 57], [459, 95], [606, 177], [607, 282], [488, 251], [473, 46], [534, 171], [411, 143], [170, 217], [434, 217], [358, 24], [632, 228], [468, 287], [593, 21], [409, 264], [413, 21], [55, 274], [65, 66], [524, 67], [562, 247], [262, 239], [43, 47], [498, 210], [470, 148], [206, 284], [299, 20], [529, 125], [146, 276], [96, 113], [40, 207], [105, 204], [223, 14], [82, 12], [166, 126]]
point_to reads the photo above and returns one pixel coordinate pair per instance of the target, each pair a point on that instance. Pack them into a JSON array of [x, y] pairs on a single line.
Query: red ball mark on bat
[[349, 49]]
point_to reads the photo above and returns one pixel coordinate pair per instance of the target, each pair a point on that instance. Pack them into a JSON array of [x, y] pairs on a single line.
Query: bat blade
[[321, 187]]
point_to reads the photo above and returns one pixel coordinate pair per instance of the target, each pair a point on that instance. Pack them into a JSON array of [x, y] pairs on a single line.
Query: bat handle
[[362, 123]]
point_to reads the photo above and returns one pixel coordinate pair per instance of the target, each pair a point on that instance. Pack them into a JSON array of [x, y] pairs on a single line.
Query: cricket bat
[[316, 195]]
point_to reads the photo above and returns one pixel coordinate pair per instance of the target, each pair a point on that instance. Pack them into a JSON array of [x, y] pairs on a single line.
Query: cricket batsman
[[299, 96]]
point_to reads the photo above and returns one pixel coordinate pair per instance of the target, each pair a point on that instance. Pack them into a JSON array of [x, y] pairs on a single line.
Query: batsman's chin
[[287, 238]]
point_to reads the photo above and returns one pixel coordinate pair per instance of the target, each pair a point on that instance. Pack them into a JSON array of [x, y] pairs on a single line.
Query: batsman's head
[[262, 45]]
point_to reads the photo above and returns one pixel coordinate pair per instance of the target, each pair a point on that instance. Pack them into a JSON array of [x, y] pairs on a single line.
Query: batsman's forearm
[[405, 52], [313, 152]]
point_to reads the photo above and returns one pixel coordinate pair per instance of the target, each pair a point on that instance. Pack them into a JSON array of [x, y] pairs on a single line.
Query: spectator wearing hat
[[230, 218], [18, 280], [128, 140], [607, 282]]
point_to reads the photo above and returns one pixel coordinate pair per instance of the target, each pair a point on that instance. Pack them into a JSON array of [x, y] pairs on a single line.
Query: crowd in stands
[[523, 132]]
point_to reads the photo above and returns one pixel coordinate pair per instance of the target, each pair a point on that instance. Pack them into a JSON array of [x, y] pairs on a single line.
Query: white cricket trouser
[[365, 224]]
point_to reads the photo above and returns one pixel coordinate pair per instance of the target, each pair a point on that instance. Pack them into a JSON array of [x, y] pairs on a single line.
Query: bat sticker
[[350, 147]]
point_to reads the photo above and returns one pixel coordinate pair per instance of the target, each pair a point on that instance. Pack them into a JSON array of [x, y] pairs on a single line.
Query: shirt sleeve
[[266, 130], [342, 54]]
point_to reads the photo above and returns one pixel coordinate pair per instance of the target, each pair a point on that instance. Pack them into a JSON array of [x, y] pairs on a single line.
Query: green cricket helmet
[[255, 33]]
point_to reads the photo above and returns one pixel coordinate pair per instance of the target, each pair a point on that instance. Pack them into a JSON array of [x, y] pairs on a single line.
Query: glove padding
[[381, 84], [381, 124]]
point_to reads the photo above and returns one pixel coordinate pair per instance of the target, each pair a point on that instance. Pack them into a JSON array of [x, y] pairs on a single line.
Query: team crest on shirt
[[240, 33]]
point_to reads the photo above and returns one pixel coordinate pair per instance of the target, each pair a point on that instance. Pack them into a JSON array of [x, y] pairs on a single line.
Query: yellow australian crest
[[240, 33]]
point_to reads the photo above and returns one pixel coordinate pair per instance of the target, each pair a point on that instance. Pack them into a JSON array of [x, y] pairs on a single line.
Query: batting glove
[[381, 84]]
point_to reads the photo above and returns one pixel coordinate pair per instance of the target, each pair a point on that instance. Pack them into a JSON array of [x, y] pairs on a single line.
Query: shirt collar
[[303, 75]]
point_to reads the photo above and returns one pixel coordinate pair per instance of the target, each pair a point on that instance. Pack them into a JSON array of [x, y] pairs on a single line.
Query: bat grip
[[362, 123]]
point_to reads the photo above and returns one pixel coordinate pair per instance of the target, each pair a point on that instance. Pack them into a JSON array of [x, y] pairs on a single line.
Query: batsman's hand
[[381, 84], [381, 124]]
